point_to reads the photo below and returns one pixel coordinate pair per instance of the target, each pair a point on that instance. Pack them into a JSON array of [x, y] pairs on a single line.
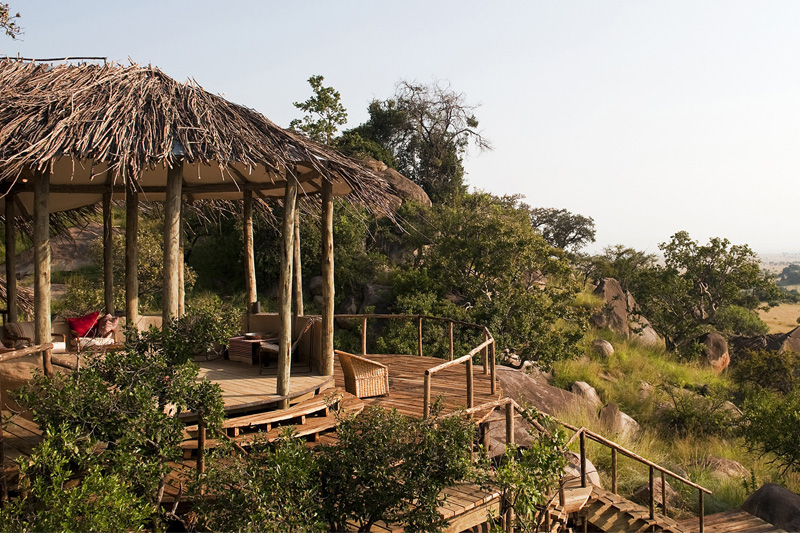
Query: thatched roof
[[100, 128]]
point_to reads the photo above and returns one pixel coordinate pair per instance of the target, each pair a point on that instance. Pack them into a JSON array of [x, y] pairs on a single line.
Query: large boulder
[[401, 188], [775, 504], [642, 494], [525, 390], [621, 314], [715, 351], [773, 342], [723, 469], [618, 422], [573, 469], [377, 298], [603, 348], [583, 389]]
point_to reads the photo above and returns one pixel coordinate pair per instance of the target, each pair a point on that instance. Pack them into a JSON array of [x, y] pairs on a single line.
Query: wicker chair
[[362, 377]]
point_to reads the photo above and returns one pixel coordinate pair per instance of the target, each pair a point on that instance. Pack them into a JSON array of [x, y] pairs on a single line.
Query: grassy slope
[[618, 379]]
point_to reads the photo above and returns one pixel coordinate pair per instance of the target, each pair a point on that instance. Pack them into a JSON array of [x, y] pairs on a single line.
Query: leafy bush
[[690, 413], [387, 466], [272, 488], [767, 369], [771, 426]]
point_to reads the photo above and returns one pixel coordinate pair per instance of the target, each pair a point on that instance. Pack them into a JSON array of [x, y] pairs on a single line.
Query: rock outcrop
[[723, 469], [618, 422], [583, 389], [603, 348], [621, 314], [715, 351], [775, 504], [773, 342], [642, 494]]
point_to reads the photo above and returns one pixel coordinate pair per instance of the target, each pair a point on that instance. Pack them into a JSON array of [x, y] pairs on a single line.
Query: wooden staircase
[[309, 419], [606, 511]]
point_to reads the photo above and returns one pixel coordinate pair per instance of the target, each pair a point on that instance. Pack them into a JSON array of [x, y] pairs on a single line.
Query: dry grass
[[781, 318]]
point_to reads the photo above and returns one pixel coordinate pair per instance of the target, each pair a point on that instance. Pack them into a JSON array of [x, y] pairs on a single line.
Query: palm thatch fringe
[[24, 297]]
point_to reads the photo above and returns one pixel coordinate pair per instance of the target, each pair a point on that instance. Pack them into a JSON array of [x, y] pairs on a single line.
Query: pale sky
[[649, 116]]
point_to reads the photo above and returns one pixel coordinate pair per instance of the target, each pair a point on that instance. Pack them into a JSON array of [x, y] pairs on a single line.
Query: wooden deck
[[20, 436], [406, 386], [243, 388], [735, 520]]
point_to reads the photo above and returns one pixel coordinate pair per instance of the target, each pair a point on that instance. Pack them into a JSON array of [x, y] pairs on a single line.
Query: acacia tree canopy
[[563, 229], [427, 129]]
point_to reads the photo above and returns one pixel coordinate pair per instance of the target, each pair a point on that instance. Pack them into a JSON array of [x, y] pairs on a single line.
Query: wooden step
[[311, 428], [317, 405]]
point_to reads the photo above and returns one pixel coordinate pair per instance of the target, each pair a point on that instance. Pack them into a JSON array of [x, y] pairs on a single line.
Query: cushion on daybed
[[82, 325]]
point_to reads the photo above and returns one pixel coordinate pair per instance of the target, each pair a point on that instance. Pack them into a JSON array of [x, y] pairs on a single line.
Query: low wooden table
[[246, 350]]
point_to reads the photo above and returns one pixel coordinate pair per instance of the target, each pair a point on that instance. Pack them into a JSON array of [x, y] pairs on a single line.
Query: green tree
[[480, 259], [325, 112], [563, 229], [790, 275], [390, 467], [427, 129], [702, 287], [771, 426]]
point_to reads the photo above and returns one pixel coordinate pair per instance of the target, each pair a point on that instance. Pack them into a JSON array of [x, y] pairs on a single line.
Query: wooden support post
[[181, 265], [663, 494], [614, 470], [326, 367], [201, 443], [484, 431], [419, 336], [652, 487], [285, 289], [470, 385], [298, 263], [493, 370], [364, 336], [583, 458], [450, 354], [509, 423], [47, 362], [131, 255], [108, 254], [426, 398], [172, 245], [251, 292], [509, 521], [41, 257], [485, 353], [11, 258], [702, 512]]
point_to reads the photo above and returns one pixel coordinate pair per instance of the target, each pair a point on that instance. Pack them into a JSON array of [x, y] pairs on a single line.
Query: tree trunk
[[249, 254], [41, 257], [131, 256], [172, 260], [108, 254], [327, 278], [285, 304], [298, 263]]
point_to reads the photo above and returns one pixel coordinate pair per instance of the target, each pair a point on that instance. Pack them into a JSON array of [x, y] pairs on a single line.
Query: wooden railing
[[486, 348], [47, 367], [582, 433]]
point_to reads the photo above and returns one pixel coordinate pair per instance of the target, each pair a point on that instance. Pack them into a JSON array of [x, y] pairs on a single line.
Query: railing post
[[509, 423], [419, 335], [583, 459], [484, 429], [614, 470], [451, 341], [702, 512], [3, 485], [201, 445], [485, 352], [663, 494], [652, 494], [469, 384], [493, 370], [426, 399], [364, 336]]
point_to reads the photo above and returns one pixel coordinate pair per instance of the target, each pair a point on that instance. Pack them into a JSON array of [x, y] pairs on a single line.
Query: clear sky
[[649, 116]]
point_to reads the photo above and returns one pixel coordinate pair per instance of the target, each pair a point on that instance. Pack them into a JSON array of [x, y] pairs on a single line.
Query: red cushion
[[83, 324]]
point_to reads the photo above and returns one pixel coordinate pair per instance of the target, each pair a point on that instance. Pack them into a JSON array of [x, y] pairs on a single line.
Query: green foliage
[[526, 475], [621, 263], [85, 291], [325, 112], [427, 129], [272, 488], [51, 499], [768, 369], [563, 229], [683, 298], [390, 467], [479, 259], [790, 275], [690, 413], [771, 426], [127, 402], [736, 320]]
